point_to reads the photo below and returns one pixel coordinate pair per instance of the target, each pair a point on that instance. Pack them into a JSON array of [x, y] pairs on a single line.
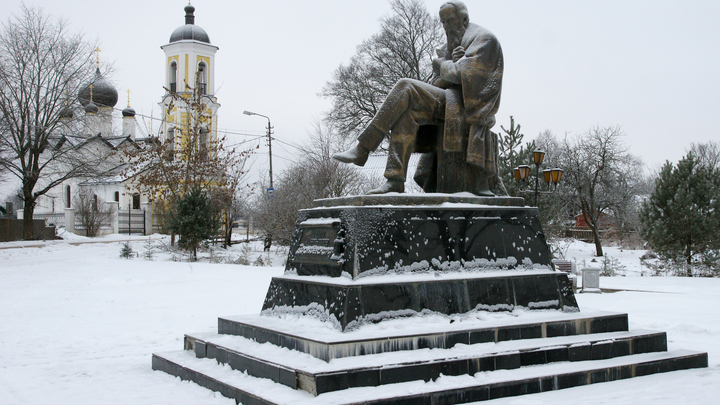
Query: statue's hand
[[458, 53], [436, 62], [443, 84]]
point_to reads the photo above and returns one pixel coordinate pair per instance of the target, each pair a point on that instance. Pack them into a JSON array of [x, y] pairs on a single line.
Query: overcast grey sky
[[650, 66]]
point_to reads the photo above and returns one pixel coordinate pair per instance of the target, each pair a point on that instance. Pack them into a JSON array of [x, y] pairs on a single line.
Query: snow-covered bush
[[149, 253], [611, 267]]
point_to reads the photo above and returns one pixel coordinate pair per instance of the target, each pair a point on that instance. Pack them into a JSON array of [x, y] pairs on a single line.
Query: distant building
[[604, 221], [581, 229], [94, 134], [190, 62]]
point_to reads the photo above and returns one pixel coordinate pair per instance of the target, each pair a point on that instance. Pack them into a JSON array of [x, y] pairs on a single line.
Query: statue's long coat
[[471, 106]]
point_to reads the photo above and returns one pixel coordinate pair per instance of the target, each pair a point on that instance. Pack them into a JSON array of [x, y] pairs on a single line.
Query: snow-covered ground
[[78, 324]]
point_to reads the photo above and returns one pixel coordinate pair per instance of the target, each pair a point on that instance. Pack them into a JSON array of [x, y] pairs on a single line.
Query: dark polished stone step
[[250, 390], [267, 329], [371, 300], [318, 377]]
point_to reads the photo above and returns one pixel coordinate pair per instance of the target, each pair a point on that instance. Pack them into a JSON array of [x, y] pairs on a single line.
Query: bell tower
[[189, 63]]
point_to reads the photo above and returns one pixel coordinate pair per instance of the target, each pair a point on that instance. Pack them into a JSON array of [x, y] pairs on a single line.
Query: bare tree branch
[[315, 175], [41, 64], [601, 176], [403, 48], [166, 171]]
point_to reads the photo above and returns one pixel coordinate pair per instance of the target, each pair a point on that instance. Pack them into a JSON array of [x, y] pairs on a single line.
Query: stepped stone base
[[248, 390], [434, 336], [599, 347], [570, 350], [419, 199], [459, 261]]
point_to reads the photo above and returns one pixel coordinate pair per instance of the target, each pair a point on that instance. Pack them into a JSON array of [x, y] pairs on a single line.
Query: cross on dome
[[97, 55]]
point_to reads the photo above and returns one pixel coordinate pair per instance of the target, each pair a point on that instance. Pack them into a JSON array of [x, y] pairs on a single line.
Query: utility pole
[[269, 135], [271, 190], [129, 219]]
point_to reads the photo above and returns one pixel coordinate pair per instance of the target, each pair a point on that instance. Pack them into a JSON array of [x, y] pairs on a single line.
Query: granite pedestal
[[370, 258], [362, 240]]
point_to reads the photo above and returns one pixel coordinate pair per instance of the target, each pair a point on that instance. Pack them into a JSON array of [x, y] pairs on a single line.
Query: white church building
[[189, 56]]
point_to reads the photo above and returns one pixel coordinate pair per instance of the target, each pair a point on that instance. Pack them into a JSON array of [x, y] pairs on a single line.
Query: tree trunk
[[593, 223], [596, 239], [28, 211], [28, 222], [688, 259], [228, 234]]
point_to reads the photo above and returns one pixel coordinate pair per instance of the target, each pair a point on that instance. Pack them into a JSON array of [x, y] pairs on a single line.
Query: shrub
[[126, 251]]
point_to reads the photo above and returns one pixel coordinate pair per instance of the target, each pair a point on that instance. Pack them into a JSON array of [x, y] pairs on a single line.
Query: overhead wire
[[224, 131], [152, 118]]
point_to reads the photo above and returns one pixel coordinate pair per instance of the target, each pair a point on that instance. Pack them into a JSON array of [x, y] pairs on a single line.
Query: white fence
[[57, 219], [117, 224]]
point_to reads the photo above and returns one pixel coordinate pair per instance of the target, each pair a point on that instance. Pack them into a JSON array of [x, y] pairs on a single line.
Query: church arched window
[[117, 196], [68, 200], [170, 143], [173, 76], [202, 77]]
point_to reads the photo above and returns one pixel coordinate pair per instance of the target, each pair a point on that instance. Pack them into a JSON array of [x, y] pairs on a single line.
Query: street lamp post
[[551, 176], [269, 135]]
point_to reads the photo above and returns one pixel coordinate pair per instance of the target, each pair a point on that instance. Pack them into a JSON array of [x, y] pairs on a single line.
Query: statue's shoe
[[390, 186], [357, 155]]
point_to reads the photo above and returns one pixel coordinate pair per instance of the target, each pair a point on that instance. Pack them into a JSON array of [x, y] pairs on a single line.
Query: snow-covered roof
[[116, 174]]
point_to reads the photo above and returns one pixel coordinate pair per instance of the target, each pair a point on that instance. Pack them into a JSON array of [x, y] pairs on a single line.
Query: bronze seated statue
[[447, 120]]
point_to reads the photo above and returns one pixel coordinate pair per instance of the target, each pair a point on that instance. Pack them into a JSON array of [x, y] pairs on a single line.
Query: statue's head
[[455, 19], [458, 10]]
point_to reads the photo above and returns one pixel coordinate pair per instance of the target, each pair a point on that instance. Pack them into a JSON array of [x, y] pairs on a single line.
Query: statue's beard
[[454, 38]]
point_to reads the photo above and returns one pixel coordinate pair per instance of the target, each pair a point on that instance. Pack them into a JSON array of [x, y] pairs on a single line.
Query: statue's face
[[453, 25], [451, 20]]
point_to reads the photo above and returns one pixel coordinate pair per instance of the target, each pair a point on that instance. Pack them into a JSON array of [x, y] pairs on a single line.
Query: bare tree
[[315, 175], [403, 48], [166, 171], [558, 208], [601, 177], [41, 63], [707, 154], [91, 212], [233, 188]]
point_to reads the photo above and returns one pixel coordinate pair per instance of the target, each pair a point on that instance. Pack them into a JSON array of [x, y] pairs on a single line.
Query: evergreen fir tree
[[513, 154], [682, 216], [126, 251], [195, 219], [512, 139]]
